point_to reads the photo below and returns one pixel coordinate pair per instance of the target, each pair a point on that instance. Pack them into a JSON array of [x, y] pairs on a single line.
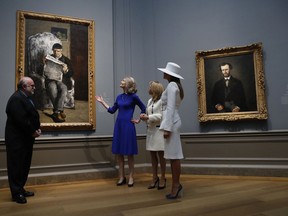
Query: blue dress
[[124, 136]]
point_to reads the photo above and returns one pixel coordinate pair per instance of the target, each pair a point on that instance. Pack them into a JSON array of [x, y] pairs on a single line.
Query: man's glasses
[[33, 86]]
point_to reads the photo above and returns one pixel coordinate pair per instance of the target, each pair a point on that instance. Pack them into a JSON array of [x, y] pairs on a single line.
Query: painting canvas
[[57, 52], [230, 84]]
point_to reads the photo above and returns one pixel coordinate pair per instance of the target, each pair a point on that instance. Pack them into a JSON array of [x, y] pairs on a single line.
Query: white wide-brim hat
[[172, 69]]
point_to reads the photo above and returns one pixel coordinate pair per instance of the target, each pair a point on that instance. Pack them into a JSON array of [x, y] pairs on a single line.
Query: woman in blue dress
[[124, 136]]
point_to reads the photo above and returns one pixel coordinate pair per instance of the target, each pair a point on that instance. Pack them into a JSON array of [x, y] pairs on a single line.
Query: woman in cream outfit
[[171, 122], [154, 138]]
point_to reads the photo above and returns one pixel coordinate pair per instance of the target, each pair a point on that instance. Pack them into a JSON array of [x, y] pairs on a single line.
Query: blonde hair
[[130, 85], [156, 90]]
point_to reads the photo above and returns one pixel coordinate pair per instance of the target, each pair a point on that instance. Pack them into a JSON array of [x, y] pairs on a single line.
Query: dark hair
[[57, 46], [225, 63], [177, 81]]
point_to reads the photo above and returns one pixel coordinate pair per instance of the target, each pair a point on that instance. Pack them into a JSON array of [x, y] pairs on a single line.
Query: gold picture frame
[[247, 67], [36, 34]]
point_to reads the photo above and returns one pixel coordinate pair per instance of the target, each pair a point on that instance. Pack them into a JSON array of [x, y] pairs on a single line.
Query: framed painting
[[57, 52], [231, 84]]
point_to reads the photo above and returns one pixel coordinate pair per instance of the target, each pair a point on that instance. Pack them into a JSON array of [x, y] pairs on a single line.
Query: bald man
[[22, 127]]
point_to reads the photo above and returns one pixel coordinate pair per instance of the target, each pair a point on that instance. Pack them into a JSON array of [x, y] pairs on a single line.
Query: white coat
[[171, 121], [154, 138]]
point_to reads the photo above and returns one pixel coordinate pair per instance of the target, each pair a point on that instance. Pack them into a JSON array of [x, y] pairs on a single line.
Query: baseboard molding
[[68, 159], [207, 170]]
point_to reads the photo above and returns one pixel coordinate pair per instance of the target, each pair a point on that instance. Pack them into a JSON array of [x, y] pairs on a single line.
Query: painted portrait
[[58, 54], [231, 84]]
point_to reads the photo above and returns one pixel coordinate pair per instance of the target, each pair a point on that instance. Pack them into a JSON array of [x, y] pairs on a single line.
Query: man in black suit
[[22, 127], [228, 93]]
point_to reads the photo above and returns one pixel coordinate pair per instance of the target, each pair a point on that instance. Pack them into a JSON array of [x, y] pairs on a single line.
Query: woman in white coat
[[154, 138], [171, 122]]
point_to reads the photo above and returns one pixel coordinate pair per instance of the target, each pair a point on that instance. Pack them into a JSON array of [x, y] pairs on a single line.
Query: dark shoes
[[119, 183], [21, 198], [178, 193], [161, 187], [154, 184], [58, 117], [124, 181], [28, 194], [131, 182], [157, 184], [63, 115]]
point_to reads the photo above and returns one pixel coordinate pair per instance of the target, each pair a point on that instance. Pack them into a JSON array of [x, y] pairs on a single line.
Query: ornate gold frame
[[21, 60], [204, 62]]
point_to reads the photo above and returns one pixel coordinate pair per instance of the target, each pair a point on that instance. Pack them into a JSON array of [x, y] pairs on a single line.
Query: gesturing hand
[[99, 98]]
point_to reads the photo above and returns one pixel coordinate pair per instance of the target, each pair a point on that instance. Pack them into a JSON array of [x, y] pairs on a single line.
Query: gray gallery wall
[[169, 30], [134, 37]]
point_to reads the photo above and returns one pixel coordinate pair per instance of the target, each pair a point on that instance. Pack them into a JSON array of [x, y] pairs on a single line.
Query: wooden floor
[[203, 195]]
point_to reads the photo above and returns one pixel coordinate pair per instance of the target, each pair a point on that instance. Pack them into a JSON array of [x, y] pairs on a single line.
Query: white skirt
[[172, 145], [154, 139]]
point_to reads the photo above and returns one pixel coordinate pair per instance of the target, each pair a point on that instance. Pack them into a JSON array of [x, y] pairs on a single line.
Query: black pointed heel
[[131, 184], [154, 185], [180, 189], [122, 182], [162, 187]]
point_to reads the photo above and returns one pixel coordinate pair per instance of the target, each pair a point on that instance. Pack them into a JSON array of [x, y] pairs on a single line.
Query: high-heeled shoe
[[131, 183], [160, 187], [154, 185], [180, 189], [119, 183]]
